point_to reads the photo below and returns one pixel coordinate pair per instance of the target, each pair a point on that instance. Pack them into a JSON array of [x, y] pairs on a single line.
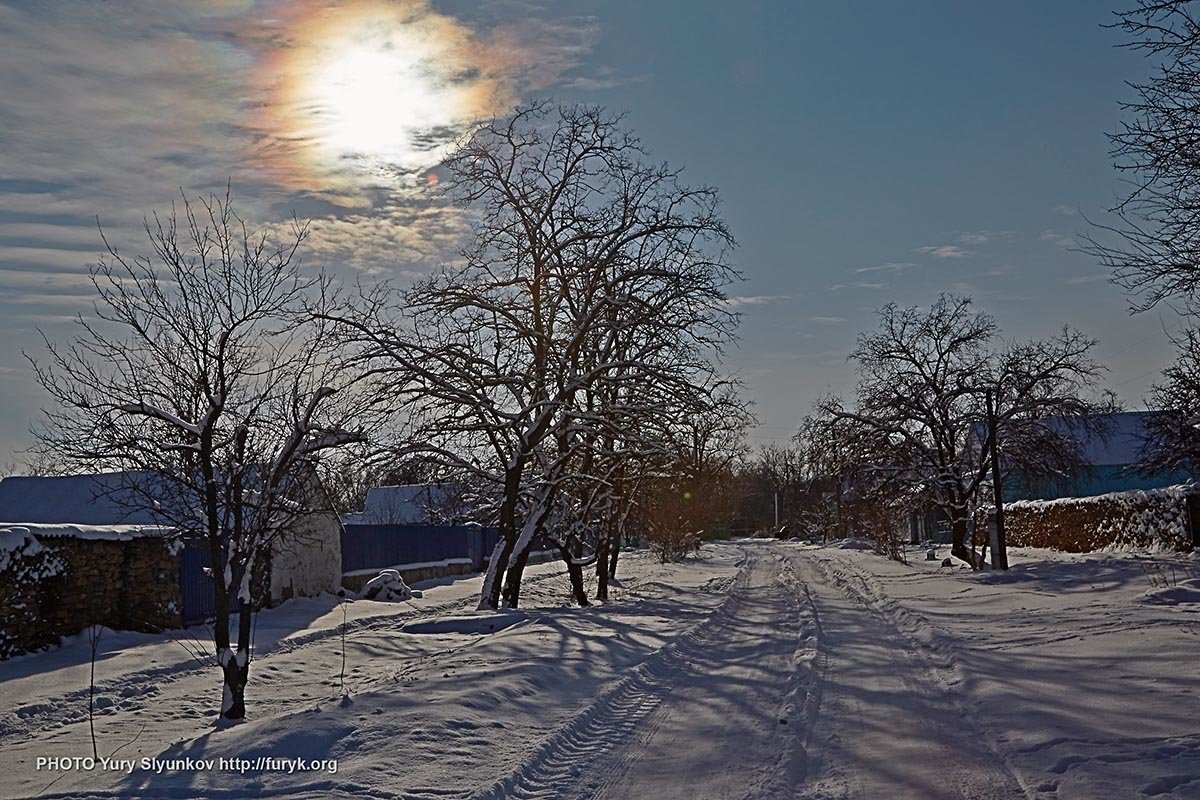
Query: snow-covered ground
[[759, 669]]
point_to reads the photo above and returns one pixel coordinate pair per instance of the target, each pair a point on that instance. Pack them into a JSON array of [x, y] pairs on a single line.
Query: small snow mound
[[851, 544], [1184, 593], [387, 587]]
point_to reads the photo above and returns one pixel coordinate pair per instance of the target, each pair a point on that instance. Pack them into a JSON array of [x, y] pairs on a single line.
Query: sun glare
[[375, 101], [375, 89]]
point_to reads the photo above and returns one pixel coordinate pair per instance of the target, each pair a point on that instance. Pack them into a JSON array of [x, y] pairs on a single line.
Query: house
[[306, 563], [1111, 445], [412, 504]]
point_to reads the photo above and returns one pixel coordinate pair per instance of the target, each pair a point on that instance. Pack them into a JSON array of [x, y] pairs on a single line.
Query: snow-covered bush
[[387, 587], [24, 564], [672, 544], [1155, 519]]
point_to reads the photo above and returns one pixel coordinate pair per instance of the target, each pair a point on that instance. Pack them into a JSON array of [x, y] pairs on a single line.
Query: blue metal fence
[[379, 546]]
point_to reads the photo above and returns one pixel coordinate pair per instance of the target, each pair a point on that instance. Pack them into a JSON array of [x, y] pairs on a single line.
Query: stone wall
[[1153, 519], [130, 583]]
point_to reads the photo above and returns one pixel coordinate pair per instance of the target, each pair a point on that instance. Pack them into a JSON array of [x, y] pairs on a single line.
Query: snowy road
[[706, 716], [886, 725], [759, 669], [795, 687]]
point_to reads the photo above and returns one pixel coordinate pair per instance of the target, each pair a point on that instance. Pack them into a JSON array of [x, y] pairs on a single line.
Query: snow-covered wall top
[[17, 544], [112, 533], [1137, 497]]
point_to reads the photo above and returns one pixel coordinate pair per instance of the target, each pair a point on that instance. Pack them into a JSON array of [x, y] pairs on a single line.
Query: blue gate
[[195, 584], [197, 602]]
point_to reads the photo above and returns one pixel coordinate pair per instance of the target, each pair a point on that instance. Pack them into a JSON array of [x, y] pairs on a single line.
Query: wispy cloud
[[890, 266], [976, 238], [1080, 280], [944, 251], [1065, 210], [755, 300], [1058, 239], [838, 287], [824, 356], [827, 320], [601, 79]]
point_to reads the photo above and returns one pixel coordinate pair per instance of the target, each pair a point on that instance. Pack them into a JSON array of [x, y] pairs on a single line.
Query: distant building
[[412, 504], [1111, 446], [1110, 454]]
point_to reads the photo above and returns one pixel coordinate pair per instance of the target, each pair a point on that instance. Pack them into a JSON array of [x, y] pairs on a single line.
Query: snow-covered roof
[[113, 533], [1121, 442], [406, 504], [1107, 439], [77, 499]]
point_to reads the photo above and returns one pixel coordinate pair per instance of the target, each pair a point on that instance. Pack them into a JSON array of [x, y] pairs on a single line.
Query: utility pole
[[777, 512], [999, 548]]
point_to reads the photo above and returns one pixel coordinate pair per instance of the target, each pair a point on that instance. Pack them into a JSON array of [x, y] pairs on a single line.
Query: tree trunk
[[233, 702], [575, 574], [235, 667], [612, 559], [489, 598], [602, 568], [1000, 550], [958, 532], [512, 579]]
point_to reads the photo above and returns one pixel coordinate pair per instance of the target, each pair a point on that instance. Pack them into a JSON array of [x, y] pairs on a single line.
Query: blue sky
[[866, 152]]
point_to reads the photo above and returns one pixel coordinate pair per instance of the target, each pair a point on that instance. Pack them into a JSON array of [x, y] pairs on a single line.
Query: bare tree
[[1173, 428], [588, 266], [921, 403], [693, 490], [1154, 247], [774, 490], [1156, 253], [203, 377]]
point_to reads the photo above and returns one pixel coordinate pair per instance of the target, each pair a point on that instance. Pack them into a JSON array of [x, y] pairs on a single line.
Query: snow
[[112, 533], [1186, 593], [758, 669], [445, 562], [1134, 498], [468, 623], [17, 543], [386, 587]]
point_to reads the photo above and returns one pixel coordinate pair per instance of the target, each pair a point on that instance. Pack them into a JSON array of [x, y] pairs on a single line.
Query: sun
[[366, 93], [376, 99]]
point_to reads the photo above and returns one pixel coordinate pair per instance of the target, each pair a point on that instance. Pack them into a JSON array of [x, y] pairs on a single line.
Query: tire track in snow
[[599, 753], [555, 768], [920, 642]]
